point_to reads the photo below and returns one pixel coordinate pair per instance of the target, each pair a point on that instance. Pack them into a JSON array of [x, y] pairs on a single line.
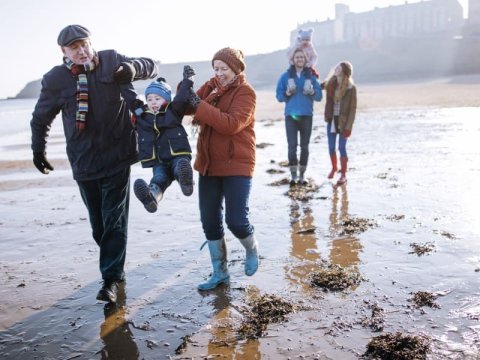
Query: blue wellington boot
[[301, 178], [251, 260], [294, 175], [218, 255]]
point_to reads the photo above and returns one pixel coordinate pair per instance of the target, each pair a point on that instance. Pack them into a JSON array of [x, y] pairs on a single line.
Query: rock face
[[31, 90], [390, 60]]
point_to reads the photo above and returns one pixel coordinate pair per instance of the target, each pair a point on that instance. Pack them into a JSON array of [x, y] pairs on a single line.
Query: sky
[[169, 31]]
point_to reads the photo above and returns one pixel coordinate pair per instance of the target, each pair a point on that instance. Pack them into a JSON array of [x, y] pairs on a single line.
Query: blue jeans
[[107, 201], [235, 190], [301, 125], [165, 172], [332, 139]]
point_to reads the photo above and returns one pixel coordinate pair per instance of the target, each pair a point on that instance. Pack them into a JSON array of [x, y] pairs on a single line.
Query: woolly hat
[[347, 68], [232, 57], [160, 87], [305, 34], [72, 33]]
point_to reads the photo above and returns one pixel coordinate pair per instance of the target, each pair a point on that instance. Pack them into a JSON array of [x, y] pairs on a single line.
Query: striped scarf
[[79, 72]]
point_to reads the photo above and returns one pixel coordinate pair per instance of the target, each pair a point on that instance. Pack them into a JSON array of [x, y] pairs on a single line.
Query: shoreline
[[459, 91], [393, 93]]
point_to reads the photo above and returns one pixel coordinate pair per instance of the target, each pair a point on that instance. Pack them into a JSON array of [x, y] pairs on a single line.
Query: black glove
[[194, 100], [183, 90], [124, 73], [188, 72], [41, 163]]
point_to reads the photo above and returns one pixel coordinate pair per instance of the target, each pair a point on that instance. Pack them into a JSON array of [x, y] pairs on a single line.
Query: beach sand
[[412, 153]]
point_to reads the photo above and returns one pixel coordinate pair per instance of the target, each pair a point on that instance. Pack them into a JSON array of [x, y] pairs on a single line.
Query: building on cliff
[[424, 18], [472, 26], [422, 39]]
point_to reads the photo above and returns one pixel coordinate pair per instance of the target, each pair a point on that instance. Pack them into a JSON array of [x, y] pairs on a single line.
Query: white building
[[473, 23], [424, 18]]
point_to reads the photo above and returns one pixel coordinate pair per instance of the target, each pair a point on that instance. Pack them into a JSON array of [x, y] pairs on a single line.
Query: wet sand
[[412, 154]]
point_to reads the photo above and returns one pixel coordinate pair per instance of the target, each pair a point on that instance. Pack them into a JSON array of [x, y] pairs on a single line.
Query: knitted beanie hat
[[305, 34], [232, 57], [347, 68], [160, 87]]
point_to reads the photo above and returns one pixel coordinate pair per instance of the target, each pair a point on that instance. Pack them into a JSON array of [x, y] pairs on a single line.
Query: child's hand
[[139, 107], [188, 72]]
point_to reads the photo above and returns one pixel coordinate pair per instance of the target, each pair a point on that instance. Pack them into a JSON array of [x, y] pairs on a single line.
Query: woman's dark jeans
[[235, 190]]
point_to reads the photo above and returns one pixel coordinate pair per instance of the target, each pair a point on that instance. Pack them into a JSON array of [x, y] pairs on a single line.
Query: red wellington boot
[[343, 171], [333, 159]]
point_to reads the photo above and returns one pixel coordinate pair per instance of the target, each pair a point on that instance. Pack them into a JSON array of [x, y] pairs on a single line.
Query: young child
[[162, 140], [304, 42]]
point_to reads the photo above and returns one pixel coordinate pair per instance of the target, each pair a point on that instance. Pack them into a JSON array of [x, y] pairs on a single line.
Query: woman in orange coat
[[224, 110]]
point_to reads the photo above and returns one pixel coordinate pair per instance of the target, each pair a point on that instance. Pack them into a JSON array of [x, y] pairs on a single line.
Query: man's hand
[[309, 92], [41, 163], [188, 72], [124, 73]]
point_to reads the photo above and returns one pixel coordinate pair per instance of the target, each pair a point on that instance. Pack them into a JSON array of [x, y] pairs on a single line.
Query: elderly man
[[94, 93]]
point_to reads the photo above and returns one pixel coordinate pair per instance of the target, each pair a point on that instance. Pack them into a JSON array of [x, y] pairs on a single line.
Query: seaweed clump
[[264, 310], [334, 277], [303, 192], [377, 320], [422, 249], [396, 346], [353, 225], [280, 182], [424, 298]]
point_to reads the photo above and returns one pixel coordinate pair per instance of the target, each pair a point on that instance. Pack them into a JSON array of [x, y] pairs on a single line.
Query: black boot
[[144, 193], [108, 292], [185, 176]]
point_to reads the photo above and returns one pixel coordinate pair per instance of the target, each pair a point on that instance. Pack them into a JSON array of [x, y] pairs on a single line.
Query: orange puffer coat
[[226, 143]]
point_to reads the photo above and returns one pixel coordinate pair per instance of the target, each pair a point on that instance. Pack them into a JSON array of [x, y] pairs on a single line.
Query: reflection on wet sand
[[304, 255], [223, 341], [304, 252], [115, 331], [344, 249]]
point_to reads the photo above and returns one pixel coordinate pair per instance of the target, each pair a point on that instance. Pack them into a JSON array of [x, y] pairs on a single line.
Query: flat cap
[[72, 33]]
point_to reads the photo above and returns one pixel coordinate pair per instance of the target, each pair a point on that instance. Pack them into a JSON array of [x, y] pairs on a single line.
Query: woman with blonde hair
[[340, 109]]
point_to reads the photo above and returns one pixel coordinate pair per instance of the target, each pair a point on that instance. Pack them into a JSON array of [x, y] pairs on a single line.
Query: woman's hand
[[346, 133], [194, 100]]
